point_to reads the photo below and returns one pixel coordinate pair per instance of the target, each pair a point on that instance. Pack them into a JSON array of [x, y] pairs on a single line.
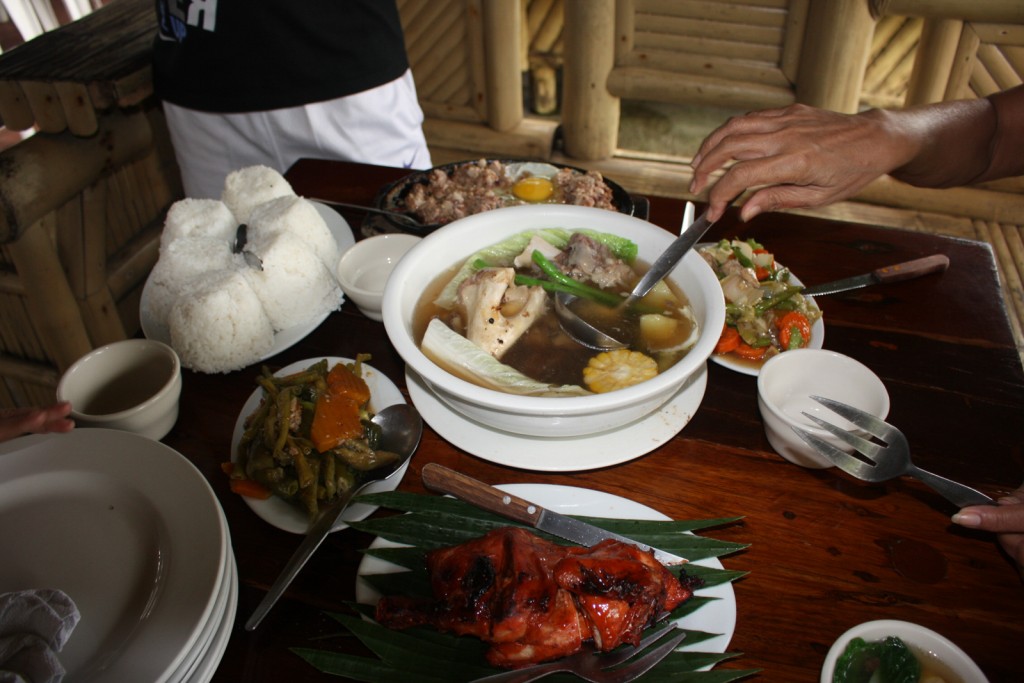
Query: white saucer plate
[[284, 339], [569, 454], [717, 617], [283, 515], [130, 530]]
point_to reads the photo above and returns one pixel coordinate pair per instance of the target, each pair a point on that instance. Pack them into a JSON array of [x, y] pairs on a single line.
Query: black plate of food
[[445, 193]]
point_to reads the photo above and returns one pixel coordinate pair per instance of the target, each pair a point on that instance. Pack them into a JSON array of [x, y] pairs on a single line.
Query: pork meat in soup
[[491, 319]]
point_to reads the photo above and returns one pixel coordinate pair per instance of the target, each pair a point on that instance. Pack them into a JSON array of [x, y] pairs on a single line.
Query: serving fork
[[602, 667], [881, 461]]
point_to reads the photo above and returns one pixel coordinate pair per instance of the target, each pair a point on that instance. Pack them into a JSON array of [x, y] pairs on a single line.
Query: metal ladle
[[401, 428], [588, 335]]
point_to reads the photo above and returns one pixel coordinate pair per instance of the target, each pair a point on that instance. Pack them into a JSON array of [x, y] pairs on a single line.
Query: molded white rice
[[180, 263], [220, 324], [291, 273], [199, 218], [248, 187], [299, 217]]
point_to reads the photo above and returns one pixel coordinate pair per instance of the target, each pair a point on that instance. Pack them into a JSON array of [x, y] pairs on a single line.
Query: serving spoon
[[588, 335], [401, 428]]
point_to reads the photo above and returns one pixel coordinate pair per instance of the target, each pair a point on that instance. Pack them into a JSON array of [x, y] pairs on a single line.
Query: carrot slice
[[343, 382], [729, 340], [250, 488], [335, 419], [745, 350], [790, 322]]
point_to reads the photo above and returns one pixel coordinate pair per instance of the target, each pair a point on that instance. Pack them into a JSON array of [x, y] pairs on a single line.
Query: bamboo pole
[[963, 65], [590, 113], [51, 303], [532, 138], [46, 108], [998, 11], [996, 64], [934, 60], [796, 27], [835, 55], [78, 110], [502, 25], [45, 171], [705, 67], [625, 28], [15, 111], [661, 86]]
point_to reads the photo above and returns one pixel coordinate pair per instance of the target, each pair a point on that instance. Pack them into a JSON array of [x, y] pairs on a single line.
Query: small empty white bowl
[[132, 385], [784, 389], [935, 652], [364, 268]]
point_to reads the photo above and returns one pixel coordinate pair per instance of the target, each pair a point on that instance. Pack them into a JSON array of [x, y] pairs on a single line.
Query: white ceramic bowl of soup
[[937, 655], [546, 416], [132, 385]]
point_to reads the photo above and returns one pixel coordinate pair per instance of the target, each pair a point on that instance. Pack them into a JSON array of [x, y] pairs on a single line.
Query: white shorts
[[382, 126]]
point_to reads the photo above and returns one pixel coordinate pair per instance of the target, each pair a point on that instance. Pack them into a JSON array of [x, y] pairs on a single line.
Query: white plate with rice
[[287, 517], [153, 328]]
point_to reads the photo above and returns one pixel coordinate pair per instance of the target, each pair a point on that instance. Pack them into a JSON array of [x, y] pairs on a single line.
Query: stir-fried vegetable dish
[[765, 313], [311, 437]]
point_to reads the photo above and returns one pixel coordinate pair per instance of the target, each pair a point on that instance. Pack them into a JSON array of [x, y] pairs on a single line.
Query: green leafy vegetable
[[505, 251], [886, 661]]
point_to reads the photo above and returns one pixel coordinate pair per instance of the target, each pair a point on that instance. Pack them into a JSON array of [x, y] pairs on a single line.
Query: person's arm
[[1006, 519], [802, 156], [18, 421]]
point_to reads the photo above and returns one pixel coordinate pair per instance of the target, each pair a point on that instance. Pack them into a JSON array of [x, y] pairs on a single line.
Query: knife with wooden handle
[[444, 480], [908, 270]]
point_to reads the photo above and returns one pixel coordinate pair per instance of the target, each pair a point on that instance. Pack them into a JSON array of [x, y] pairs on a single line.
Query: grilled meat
[[534, 600]]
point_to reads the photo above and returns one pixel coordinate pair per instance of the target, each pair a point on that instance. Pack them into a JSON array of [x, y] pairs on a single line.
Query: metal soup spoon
[[401, 428], [588, 335]]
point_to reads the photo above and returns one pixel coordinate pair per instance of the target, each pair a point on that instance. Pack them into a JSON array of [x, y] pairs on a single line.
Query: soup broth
[[547, 354]]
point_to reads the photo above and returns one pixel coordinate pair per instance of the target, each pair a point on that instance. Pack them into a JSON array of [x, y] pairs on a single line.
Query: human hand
[[799, 156], [1006, 519], [17, 421]]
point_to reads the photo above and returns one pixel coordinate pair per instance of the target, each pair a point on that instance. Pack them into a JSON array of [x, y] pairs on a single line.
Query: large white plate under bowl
[[130, 530], [748, 368], [930, 647], [274, 510], [568, 454], [284, 339], [718, 616]]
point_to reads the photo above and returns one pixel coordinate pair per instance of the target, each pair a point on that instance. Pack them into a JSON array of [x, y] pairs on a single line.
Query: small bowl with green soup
[[891, 651]]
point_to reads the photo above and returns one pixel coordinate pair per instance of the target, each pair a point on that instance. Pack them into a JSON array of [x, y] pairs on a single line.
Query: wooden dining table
[[826, 552]]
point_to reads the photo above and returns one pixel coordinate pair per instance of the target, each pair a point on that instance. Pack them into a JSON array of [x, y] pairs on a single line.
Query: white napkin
[[34, 625]]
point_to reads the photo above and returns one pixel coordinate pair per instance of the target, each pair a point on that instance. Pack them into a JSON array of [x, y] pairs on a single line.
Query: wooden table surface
[[826, 552]]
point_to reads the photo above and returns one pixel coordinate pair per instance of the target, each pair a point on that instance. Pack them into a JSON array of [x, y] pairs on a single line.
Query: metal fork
[[601, 667], [883, 462]]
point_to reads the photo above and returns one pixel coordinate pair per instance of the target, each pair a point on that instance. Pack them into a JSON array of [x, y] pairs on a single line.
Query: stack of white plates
[[132, 532]]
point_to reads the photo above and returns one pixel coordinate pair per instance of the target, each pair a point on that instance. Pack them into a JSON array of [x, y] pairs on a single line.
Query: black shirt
[[254, 55]]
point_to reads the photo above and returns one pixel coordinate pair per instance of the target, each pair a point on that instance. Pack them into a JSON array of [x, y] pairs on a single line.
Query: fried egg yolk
[[533, 189]]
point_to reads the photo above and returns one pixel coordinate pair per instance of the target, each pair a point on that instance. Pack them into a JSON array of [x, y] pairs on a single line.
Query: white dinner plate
[[283, 515], [560, 454], [208, 657], [718, 616], [284, 339], [130, 530], [817, 339], [223, 611]]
